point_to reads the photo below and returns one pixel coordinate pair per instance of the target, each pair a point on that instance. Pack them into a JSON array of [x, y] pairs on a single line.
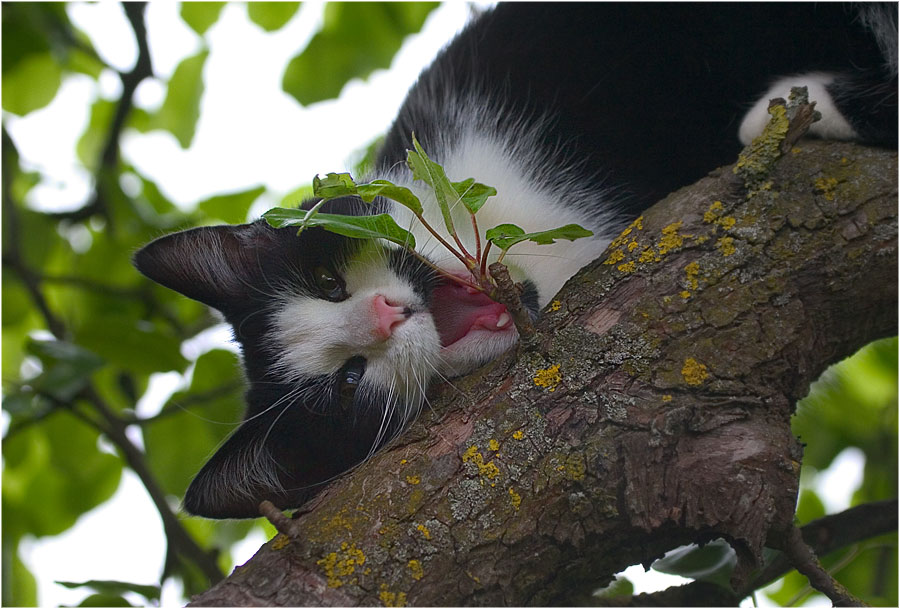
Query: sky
[[249, 133]]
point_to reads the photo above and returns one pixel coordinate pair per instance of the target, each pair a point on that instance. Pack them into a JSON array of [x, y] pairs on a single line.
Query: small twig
[[507, 293], [282, 523], [806, 562]]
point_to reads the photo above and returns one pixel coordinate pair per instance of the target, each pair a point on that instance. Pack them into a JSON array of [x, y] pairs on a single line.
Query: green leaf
[[104, 600], [231, 208], [181, 108], [58, 466], [356, 39], [201, 15], [809, 506], [380, 226], [713, 562], [67, 367], [271, 16], [22, 34], [129, 343], [333, 186], [433, 174], [90, 144], [113, 587], [505, 236], [620, 587], [473, 194], [297, 197], [336, 185], [384, 188], [32, 84]]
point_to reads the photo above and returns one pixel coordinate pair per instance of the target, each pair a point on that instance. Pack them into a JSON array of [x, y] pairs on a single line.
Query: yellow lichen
[[713, 212], [628, 267], [518, 434], [693, 372], [515, 499], [670, 238], [280, 541], [685, 294], [337, 565], [413, 479], [726, 246], [548, 378], [649, 255], [555, 305], [667, 398], [575, 467], [614, 257], [691, 272], [494, 445], [487, 470], [637, 224], [391, 599], [424, 531], [726, 222], [402, 461], [416, 567], [632, 246], [756, 159], [827, 187]]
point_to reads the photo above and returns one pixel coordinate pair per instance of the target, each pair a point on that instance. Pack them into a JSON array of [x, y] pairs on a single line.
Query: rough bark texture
[[654, 410]]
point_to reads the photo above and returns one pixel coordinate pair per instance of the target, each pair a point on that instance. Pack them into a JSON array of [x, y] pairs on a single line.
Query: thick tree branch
[[654, 411]]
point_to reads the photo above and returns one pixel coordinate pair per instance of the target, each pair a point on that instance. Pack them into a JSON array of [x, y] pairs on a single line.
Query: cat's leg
[[859, 106]]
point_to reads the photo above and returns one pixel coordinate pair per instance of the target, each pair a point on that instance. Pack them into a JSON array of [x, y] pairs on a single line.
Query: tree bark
[[653, 411]]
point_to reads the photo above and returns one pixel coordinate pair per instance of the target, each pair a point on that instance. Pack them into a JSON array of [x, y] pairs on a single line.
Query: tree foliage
[[83, 333]]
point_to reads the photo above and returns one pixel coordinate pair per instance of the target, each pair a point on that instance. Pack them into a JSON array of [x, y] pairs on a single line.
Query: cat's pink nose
[[387, 316]]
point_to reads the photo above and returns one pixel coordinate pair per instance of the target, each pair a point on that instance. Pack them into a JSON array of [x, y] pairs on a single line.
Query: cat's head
[[340, 339]]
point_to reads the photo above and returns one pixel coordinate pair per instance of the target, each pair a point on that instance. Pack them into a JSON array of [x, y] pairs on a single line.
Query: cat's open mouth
[[457, 311]]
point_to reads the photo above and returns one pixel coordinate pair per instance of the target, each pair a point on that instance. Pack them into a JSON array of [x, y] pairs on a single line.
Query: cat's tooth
[[503, 320]]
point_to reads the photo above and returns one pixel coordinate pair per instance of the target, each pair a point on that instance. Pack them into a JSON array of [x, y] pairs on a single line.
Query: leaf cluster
[[470, 194]]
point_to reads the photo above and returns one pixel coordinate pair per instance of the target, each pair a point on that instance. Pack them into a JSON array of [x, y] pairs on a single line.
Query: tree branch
[[676, 361], [109, 156]]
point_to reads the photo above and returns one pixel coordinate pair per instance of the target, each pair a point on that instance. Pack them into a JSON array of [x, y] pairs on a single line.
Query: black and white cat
[[576, 113]]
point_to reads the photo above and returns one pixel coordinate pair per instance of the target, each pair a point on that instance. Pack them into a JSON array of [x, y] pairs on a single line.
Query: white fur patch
[[833, 125], [316, 337]]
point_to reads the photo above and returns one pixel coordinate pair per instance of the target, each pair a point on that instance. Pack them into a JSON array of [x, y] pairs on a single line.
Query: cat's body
[[584, 113]]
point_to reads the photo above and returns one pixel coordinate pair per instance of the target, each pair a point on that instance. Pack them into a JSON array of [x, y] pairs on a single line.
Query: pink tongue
[[456, 312]]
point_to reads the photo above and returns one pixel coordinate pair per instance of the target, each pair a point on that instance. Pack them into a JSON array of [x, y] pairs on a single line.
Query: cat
[[576, 113]]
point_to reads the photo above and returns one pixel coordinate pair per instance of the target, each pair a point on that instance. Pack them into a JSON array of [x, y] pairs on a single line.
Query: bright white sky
[[250, 133]]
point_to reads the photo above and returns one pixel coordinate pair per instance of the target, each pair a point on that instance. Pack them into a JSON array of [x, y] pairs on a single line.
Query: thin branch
[[825, 535], [176, 534], [806, 562], [109, 156]]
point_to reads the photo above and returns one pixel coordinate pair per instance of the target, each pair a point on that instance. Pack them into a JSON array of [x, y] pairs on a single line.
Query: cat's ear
[[236, 479], [212, 264], [248, 469]]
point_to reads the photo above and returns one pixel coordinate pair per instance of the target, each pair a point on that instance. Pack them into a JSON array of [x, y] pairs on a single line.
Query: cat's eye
[[330, 284], [349, 377]]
